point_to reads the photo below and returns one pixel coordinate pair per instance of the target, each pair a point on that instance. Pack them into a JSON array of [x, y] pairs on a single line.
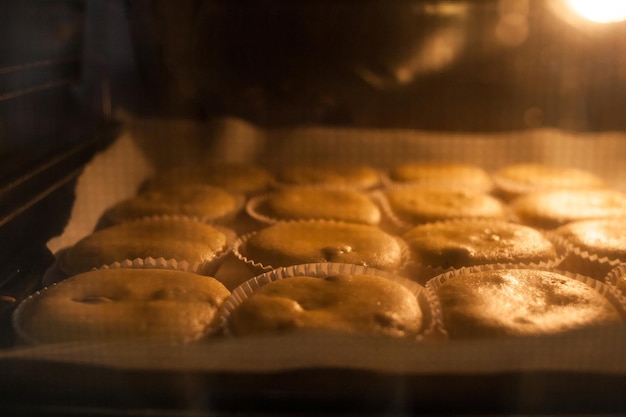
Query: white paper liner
[[254, 209], [433, 285], [55, 272], [424, 273], [200, 268], [584, 261], [258, 267], [321, 270], [225, 219], [402, 225], [388, 220], [612, 278], [24, 338]]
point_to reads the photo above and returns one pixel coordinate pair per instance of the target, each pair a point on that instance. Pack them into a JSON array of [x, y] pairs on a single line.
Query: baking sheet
[[146, 146]]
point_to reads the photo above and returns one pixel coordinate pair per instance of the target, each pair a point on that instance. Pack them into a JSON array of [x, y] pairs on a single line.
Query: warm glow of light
[[599, 11]]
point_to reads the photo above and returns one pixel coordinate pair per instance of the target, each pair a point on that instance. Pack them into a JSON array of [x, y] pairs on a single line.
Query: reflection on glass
[[599, 11], [416, 40]]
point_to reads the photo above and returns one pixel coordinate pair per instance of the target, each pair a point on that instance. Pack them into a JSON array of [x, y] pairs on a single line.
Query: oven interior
[[318, 80]]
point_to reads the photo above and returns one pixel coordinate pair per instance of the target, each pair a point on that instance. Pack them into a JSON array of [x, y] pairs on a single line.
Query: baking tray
[[579, 372]]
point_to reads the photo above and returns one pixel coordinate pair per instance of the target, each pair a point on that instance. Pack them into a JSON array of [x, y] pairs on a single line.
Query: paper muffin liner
[[583, 261], [614, 278], [254, 209], [225, 219], [401, 225], [433, 285], [321, 270], [388, 220], [423, 272], [21, 336], [253, 206], [398, 225], [200, 268], [24, 338], [259, 268], [55, 272]]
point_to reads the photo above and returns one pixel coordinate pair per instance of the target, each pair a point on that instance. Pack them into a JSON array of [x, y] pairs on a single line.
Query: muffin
[[443, 174], [462, 243], [180, 243], [351, 176], [362, 304], [201, 202], [594, 247], [306, 203], [551, 209], [410, 206], [518, 302], [241, 178], [516, 180], [120, 305], [293, 243]]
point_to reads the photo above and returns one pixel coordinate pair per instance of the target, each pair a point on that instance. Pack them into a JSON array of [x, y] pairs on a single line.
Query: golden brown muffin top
[[244, 178], [294, 243], [520, 302], [198, 201], [551, 209], [304, 203], [454, 174], [415, 205], [182, 240], [456, 244], [357, 176], [123, 304], [518, 179], [604, 238], [348, 303]]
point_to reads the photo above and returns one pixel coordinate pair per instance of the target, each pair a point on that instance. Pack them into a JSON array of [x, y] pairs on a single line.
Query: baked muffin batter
[[520, 302], [551, 209], [347, 303], [294, 243], [198, 201], [515, 180], [604, 238], [416, 205], [456, 244], [182, 240], [244, 178], [448, 174], [356, 176], [306, 203], [123, 304]]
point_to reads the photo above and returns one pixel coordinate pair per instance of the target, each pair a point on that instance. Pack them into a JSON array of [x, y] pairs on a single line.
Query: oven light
[[599, 11]]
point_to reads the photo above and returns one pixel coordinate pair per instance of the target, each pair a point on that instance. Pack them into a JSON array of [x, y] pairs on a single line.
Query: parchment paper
[[146, 146]]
